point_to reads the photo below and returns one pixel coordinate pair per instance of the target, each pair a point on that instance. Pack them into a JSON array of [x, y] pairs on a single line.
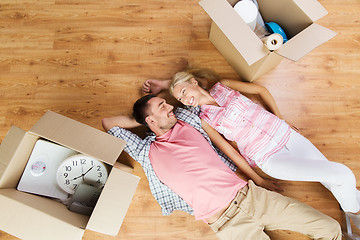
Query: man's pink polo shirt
[[184, 161]]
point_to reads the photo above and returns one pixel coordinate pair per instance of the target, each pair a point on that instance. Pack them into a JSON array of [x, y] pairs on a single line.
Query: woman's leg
[[300, 160]]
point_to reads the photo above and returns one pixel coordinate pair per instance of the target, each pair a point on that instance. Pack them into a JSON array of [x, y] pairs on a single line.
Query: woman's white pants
[[300, 160]]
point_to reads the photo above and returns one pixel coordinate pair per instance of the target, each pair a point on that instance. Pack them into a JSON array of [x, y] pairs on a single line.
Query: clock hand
[[88, 170], [82, 175], [82, 171]]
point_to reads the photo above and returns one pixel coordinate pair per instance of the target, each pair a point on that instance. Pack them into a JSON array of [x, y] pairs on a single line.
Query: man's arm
[[155, 86], [134, 144], [119, 121]]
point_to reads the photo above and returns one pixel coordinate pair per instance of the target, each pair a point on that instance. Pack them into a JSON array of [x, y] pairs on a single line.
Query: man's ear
[[149, 121]]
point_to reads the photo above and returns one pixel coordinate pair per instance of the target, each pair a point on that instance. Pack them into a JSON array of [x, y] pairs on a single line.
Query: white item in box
[[40, 171]]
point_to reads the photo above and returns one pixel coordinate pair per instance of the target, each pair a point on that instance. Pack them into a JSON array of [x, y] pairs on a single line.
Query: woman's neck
[[207, 99]]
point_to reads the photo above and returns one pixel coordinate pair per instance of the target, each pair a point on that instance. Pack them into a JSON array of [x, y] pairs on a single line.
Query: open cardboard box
[[245, 51], [29, 216]]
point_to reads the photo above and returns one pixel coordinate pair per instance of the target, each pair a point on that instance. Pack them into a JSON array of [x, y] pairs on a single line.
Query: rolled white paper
[[273, 42], [248, 12]]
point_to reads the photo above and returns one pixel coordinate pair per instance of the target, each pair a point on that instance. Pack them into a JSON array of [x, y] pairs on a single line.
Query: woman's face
[[188, 93]]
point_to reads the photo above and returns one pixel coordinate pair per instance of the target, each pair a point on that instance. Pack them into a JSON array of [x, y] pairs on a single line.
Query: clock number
[[99, 174], [83, 161], [98, 168], [67, 182], [74, 163], [92, 163], [75, 185], [98, 181], [68, 168], [66, 175]]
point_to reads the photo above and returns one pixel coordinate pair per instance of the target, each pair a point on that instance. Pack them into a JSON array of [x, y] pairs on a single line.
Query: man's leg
[[244, 227], [275, 211], [235, 223], [257, 209]]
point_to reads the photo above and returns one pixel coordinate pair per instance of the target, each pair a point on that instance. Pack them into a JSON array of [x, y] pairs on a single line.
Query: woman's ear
[[194, 81]]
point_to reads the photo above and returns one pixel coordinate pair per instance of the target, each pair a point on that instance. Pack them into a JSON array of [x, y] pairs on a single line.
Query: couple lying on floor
[[190, 163]]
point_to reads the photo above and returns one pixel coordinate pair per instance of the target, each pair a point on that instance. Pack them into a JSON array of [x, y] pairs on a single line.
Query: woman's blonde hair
[[185, 76]]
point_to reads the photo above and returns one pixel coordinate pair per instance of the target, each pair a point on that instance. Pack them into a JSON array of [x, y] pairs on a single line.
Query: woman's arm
[[235, 156], [252, 88]]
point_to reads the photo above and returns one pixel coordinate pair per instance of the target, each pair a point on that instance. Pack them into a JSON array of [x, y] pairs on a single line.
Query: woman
[[262, 138]]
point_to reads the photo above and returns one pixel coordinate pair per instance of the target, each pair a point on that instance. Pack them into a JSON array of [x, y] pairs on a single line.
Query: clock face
[[79, 169]]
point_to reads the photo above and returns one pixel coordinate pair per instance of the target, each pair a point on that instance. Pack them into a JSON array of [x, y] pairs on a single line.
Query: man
[[184, 169]]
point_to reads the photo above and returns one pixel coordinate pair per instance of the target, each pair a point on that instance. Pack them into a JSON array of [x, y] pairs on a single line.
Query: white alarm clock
[[79, 169]]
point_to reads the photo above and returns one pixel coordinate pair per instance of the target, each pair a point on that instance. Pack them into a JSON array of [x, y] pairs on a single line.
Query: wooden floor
[[87, 59]]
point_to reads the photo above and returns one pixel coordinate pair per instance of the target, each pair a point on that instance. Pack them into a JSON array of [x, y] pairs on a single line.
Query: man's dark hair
[[140, 109]]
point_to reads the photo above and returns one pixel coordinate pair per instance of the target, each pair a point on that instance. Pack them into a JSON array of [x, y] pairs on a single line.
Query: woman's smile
[[191, 101]]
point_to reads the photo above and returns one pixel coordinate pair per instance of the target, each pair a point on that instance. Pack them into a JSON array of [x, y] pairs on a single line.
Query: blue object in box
[[275, 28]]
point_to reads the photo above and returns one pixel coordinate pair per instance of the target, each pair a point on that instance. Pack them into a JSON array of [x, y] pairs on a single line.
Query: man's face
[[161, 115]]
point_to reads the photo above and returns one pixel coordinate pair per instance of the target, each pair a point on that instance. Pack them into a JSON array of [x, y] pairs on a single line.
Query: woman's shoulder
[[220, 86], [219, 91]]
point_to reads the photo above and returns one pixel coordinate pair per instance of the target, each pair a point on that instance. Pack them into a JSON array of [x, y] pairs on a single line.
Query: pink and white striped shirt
[[257, 132]]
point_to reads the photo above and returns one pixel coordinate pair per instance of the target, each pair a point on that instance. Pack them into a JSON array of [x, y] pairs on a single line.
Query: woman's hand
[[269, 184], [293, 126]]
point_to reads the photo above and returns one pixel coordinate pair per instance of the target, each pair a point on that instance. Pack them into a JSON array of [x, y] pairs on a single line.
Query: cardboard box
[[29, 216], [245, 51]]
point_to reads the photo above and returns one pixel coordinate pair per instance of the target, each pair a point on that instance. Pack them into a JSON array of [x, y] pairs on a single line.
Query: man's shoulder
[[187, 111], [189, 115]]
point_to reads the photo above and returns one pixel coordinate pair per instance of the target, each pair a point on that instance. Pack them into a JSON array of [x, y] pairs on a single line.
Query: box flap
[[305, 41], [292, 21], [113, 203], [234, 58], [79, 136], [312, 8], [27, 216], [8, 148], [14, 152], [236, 30], [124, 167]]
